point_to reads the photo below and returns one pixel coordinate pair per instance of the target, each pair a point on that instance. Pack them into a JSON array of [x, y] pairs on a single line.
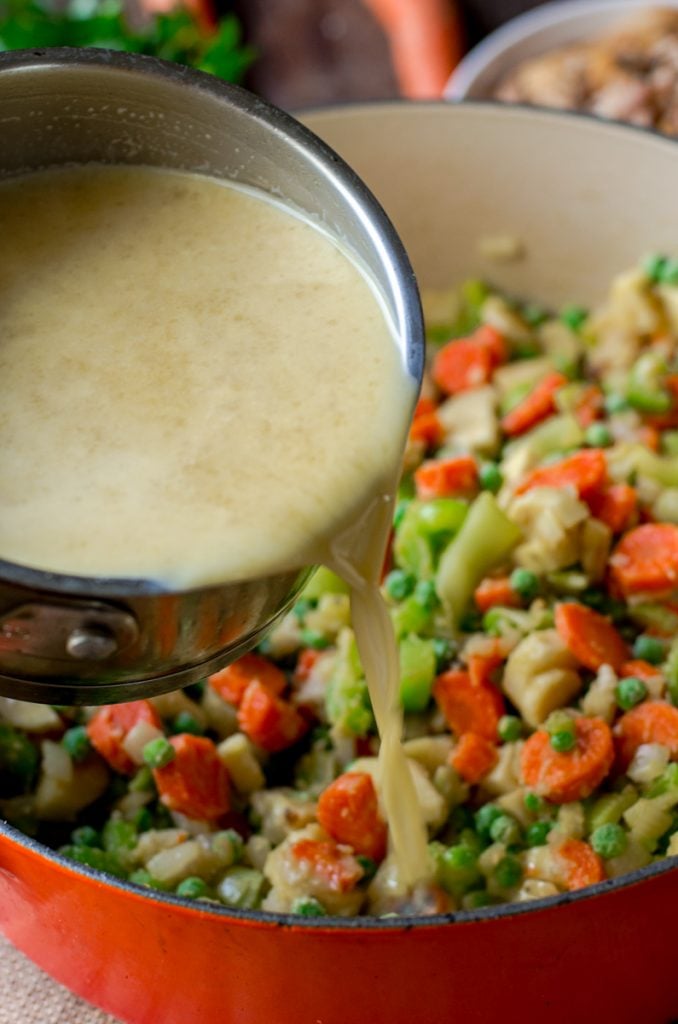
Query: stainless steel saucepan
[[74, 640]]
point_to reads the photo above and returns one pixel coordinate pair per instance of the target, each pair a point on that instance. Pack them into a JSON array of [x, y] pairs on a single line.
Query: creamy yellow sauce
[[199, 387]]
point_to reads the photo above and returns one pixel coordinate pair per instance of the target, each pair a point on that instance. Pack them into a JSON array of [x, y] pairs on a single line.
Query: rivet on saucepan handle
[[66, 630]]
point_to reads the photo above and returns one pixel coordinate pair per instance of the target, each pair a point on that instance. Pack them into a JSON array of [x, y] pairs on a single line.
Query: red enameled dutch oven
[[585, 200]]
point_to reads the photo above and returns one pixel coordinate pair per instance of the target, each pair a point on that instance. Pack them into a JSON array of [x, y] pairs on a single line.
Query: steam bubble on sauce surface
[[200, 387]]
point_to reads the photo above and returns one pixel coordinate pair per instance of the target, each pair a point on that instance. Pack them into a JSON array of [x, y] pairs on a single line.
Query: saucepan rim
[[337, 174], [404, 923]]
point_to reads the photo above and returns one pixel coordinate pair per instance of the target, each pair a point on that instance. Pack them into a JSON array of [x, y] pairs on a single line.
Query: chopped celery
[[655, 616], [485, 539], [323, 581], [568, 581], [417, 672], [100, 860], [671, 672], [473, 294], [667, 782], [665, 508], [242, 888], [412, 616], [515, 396], [554, 435], [347, 701], [424, 528], [670, 442], [644, 390], [608, 809], [119, 837]]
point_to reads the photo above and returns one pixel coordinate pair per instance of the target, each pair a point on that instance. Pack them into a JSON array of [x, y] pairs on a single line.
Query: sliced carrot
[[461, 365], [589, 406], [482, 666], [195, 783], [591, 637], [535, 407], [337, 868], [446, 478], [646, 560], [109, 727], [473, 757], [615, 505], [306, 662], [424, 405], [653, 721], [428, 429], [586, 471], [231, 682], [469, 706], [649, 436], [465, 363], [349, 811], [563, 778], [269, 721], [579, 865], [495, 591], [641, 670]]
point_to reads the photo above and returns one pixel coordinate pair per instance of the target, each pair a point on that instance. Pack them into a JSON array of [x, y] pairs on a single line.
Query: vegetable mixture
[[531, 579]]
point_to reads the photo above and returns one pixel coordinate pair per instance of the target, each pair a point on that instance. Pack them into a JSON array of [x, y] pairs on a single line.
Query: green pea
[[193, 888], [598, 435], [484, 817], [609, 840], [563, 742], [76, 741], [615, 403], [186, 722], [653, 266], [648, 648], [536, 834], [533, 803], [308, 906], [573, 317], [505, 829], [85, 836], [490, 477], [314, 639], [400, 584], [629, 692], [510, 728], [525, 583], [508, 872], [158, 753]]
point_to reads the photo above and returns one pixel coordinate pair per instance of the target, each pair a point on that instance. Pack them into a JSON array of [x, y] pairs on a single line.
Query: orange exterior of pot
[[599, 958]]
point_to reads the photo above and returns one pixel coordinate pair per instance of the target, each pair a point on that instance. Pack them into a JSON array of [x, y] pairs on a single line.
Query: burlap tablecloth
[[27, 996]]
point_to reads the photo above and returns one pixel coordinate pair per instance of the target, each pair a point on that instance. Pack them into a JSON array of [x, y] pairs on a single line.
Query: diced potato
[[221, 716], [332, 614], [282, 812], [31, 717], [505, 776], [430, 751], [59, 799], [634, 856], [600, 700], [186, 860], [257, 849], [523, 372], [291, 878], [550, 518], [513, 803], [559, 341], [285, 637], [470, 420], [648, 763], [571, 821], [499, 314], [501, 249], [136, 739], [155, 841], [536, 889], [237, 755], [596, 540], [540, 676]]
